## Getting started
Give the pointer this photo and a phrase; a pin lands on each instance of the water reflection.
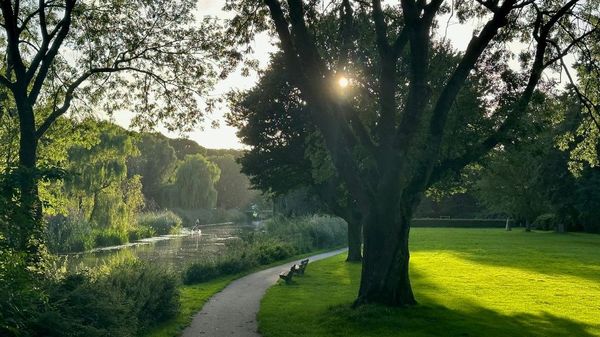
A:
(174, 251)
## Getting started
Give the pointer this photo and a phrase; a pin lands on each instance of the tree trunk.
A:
(30, 232)
(354, 239)
(385, 279)
(527, 225)
(508, 226)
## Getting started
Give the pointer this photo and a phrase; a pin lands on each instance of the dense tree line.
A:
(110, 176)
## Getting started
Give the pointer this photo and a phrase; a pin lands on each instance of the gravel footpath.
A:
(232, 312)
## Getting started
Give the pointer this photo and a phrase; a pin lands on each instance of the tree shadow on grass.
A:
(435, 320)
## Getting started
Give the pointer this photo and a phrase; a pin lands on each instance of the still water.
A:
(173, 251)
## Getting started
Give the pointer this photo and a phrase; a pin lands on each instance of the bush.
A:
(200, 272)
(547, 221)
(308, 233)
(21, 295)
(140, 232)
(66, 234)
(162, 223)
(106, 238)
(122, 298)
(281, 239)
(271, 251)
(152, 290)
(80, 306)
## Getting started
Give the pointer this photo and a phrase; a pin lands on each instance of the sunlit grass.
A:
(468, 283)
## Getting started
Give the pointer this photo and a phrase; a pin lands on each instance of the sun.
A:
(343, 82)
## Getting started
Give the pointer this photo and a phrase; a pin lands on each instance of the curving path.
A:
(232, 312)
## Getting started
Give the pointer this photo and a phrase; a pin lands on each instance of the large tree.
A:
(144, 56)
(287, 159)
(233, 187)
(390, 155)
(194, 184)
(156, 165)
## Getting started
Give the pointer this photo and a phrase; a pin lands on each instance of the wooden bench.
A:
(287, 275)
(299, 269)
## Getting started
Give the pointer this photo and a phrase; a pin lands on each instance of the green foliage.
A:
(281, 239)
(66, 234)
(308, 233)
(210, 216)
(155, 164)
(124, 297)
(110, 237)
(194, 184)
(101, 200)
(81, 306)
(20, 293)
(546, 221)
(184, 147)
(152, 290)
(200, 272)
(103, 164)
(161, 223)
(233, 187)
(140, 232)
(272, 250)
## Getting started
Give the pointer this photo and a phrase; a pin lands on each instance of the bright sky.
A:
(224, 136)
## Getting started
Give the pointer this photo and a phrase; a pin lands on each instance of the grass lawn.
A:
(469, 282)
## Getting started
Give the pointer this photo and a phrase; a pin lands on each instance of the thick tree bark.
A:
(354, 239)
(385, 276)
(30, 204)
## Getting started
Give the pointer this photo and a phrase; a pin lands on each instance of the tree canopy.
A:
(388, 154)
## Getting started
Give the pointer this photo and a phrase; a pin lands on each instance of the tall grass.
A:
(161, 223)
(279, 238)
(123, 297)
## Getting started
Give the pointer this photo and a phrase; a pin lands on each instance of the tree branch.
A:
(61, 31)
(14, 59)
(519, 108)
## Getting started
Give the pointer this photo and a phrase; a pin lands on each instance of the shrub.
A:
(271, 251)
(20, 293)
(200, 272)
(152, 290)
(80, 306)
(66, 234)
(140, 232)
(281, 239)
(108, 237)
(308, 233)
(545, 221)
(162, 223)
